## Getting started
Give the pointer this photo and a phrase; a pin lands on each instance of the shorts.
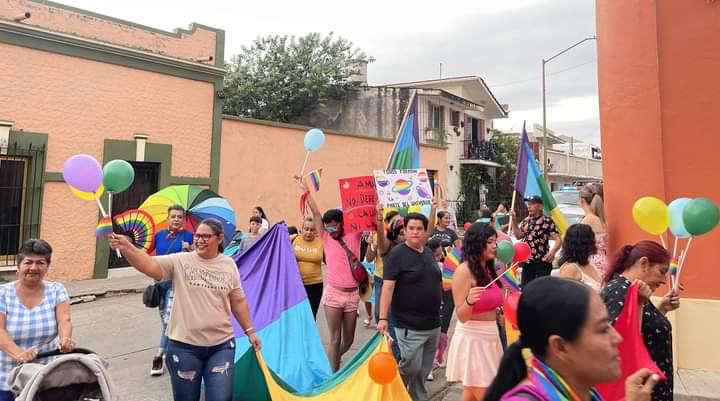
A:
(338, 299)
(475, 353)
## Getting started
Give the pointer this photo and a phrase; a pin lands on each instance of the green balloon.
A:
(700, 216)
(118, 175)
(505, 251)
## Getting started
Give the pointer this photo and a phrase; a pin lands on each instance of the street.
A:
(126, 333)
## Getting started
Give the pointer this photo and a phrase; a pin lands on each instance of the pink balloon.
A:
(522, 252)
(83, 172)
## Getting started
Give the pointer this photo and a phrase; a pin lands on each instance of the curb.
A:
(80, 297)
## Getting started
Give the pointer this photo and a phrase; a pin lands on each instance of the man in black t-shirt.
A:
(412, 290)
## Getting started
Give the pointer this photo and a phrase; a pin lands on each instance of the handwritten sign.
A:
(359, 202)
(403, 188)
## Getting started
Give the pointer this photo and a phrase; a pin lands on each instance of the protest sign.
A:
(403, 188)
(359, 202)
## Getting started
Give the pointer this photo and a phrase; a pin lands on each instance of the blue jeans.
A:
(165, 307)
(190, 365)
(391, 324)
(6, 396)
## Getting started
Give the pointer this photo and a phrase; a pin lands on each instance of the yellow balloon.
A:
(88, 196)
(651, 214)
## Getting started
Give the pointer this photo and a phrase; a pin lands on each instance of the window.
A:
(12, 201)
(455, 118)
(436, 116)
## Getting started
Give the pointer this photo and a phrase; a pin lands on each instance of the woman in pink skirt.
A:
(475, 350)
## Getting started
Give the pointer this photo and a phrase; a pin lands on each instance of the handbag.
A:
(151, 296)
(356, 268)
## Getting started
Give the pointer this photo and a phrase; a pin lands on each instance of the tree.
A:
(279, 77)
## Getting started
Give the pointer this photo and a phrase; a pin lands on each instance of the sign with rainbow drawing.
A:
(403, 188)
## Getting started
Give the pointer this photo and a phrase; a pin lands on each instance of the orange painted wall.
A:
(258, 162)
(658, 64)
(79, 103)
(200, 43)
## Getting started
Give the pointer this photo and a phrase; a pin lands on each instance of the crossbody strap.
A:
(349, 254)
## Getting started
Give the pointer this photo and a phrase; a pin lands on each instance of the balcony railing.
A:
(479, 150)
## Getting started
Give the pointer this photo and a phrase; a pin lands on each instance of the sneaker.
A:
(430, 377)
(157, 366)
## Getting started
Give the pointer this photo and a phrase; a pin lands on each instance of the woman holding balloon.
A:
(476, 350)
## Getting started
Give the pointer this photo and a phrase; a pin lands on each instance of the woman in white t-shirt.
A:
(207, 290)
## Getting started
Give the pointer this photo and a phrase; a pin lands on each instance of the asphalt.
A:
(108, 316)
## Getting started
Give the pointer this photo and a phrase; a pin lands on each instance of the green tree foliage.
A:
(279, 77)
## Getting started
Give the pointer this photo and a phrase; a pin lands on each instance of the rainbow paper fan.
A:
(451, 262)
(139, 226)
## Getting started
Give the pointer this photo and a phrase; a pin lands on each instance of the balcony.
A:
(480, 151)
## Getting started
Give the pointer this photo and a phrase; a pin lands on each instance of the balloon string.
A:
(683, 256)
(117, 251)
(302, 170)
(675, 246)
(102, 209)
(662, 241)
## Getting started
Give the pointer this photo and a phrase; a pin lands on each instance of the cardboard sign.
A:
(359, 202)
(403, 188)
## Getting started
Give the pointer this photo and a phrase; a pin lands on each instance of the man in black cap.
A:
(536, 231)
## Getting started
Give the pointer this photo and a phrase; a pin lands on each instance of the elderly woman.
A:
(34, 314)
(574, 348)
(207, 291)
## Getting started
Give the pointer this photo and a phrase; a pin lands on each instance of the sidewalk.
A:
(86, 290)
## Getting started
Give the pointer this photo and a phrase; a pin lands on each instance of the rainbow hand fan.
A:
(139, 226)
(451, 262)
(104, 228)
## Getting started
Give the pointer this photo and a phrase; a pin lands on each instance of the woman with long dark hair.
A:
(475, 350)
(578, 246)
(574, 348)
(646, 263)
(264, 222)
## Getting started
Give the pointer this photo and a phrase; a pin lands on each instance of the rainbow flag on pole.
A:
(406, 150)
(530, 182)
(314, 177)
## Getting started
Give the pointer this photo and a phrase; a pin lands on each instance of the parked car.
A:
(568, 201)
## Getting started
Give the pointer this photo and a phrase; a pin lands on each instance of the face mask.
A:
(330, 229)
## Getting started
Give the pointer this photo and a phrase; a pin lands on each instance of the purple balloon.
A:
(83, 172)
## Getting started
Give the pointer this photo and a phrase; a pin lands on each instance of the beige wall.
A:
(188, 46)
(259, 160)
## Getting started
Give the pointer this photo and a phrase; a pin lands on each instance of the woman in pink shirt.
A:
(341, 295)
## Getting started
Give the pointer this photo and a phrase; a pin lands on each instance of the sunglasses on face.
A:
(330, 229)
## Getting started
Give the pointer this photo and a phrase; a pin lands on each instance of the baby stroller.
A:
(78, 376)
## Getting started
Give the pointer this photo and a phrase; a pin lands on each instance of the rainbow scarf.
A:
(555, 386)
(315, 178)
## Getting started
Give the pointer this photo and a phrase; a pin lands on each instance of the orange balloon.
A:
(382, 368)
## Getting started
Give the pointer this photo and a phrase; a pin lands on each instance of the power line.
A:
(538, 78)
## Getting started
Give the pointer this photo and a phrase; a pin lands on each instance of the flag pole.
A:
(400, 130)
(512, 210)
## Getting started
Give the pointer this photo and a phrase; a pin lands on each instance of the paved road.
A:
(126, 333)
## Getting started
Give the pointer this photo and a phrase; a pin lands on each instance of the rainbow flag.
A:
(406, 150)
(510, 278)
(451, 262)
(104, 228)
(530, 182)
(315, 178)
(673, 266)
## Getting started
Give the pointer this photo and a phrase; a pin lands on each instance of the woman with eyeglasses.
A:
(308, 251)
(207, 290)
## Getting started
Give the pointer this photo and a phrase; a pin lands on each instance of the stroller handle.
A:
(57, 352)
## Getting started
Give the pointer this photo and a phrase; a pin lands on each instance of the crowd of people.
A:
(566, 322)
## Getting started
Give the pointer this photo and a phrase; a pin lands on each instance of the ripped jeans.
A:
(189, 365)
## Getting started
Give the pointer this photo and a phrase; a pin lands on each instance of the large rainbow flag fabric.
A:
(281, 316)
(406, 150)
(530, 182)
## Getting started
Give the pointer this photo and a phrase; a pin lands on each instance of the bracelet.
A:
(250, 330)
(467, 302)
(382, 318)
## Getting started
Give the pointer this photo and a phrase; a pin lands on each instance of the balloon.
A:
(505, 251)
(382, 368)
(700, 216)
(522, 252)
(467, 226)
(677, 226)
(83, 172)
(88, 196)
(425, 209)
(314, 140)
(118, 175)
(651, 214)
(510, 305)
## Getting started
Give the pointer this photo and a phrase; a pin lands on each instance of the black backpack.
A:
(151, 296)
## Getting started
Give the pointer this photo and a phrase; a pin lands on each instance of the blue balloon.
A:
(314, 139)
(426, 210)
(677, 226)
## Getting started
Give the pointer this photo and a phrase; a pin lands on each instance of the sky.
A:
(502, 41)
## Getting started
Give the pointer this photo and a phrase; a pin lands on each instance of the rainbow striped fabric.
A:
(530, 182)
(406, 150)
(315, 178)
(673, 266)
(104, 227)
(510, 278)
(451, 262)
